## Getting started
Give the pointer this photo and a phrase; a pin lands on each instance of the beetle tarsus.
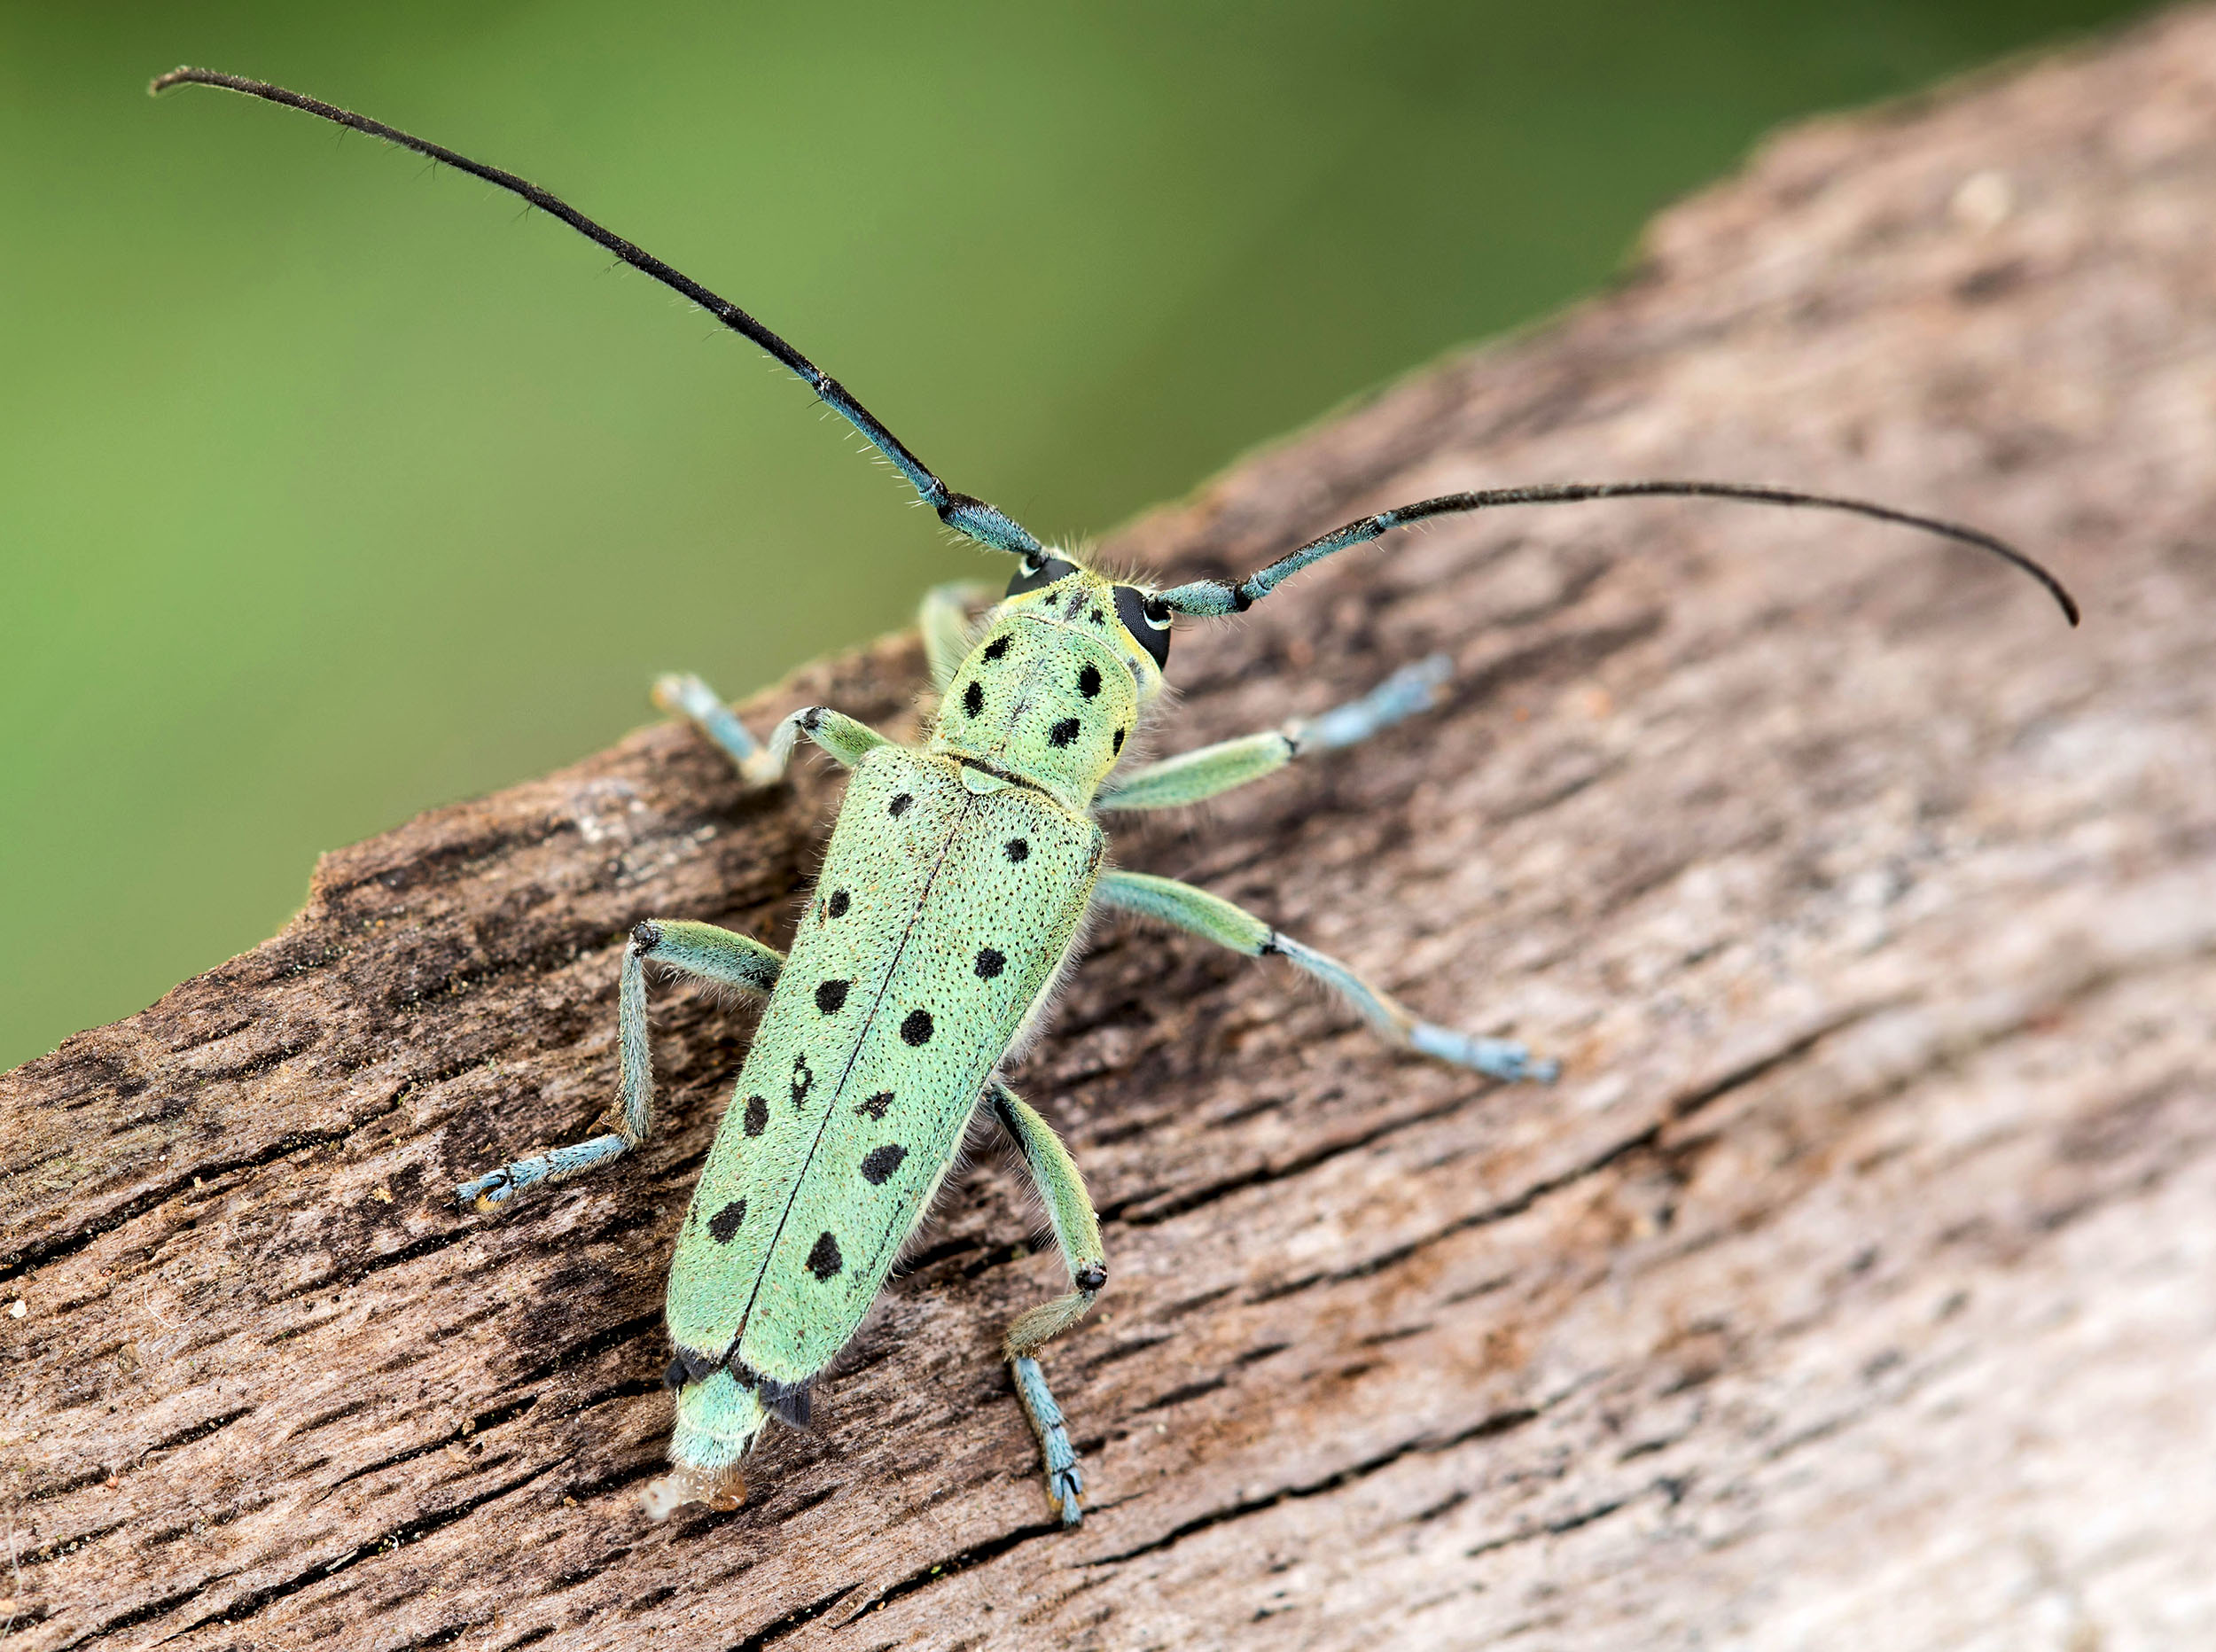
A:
(487, 1193)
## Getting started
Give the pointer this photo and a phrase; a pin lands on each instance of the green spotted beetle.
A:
(955, 891)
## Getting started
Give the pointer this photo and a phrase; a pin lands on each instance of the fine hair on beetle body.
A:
(958, 884)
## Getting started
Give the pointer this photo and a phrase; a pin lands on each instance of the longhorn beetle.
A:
(952, 897)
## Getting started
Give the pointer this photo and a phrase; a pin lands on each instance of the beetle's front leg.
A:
(841, 735)
(945, 621)
(1077, 1231)
(700, 950)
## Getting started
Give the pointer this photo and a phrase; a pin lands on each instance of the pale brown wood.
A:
(1856, 1287)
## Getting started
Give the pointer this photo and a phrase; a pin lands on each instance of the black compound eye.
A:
(1039, 570)
(1146, 619)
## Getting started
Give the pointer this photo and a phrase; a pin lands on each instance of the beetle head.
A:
(1129, 620)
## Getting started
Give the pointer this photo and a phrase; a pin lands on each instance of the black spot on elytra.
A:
(1089, 681)
(1098, 618)
(995, 649)
(1018, 850)
(823, 1259)
(726, 1221)
(876, 1105)
(990, 964)
(917, 1028)
(802, 1077)
(830, 996)
(1063, 732)
(1118, 747)
(757, 1114)
(973, 699)
(839, 903)
(898, 807)
(882, 1162)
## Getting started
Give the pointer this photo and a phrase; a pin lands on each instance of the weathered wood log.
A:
(1855, 1287)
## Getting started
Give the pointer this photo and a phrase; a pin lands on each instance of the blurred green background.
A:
(332, 486)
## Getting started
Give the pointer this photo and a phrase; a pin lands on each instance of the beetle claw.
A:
(487, 1193)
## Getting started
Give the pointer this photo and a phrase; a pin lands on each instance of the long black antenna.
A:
(1210, 597)
(979, 521)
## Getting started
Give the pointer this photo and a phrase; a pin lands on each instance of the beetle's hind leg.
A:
(700, 950)
(1077, 1231)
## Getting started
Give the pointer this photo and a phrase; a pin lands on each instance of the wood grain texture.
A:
(1856, 1287)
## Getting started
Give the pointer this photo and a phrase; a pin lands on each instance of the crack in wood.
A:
(40, 1253)
(1497, 1424)
(1676, 1111)
(251, 1604)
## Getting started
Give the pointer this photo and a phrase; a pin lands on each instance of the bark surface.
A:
(1855, 1287)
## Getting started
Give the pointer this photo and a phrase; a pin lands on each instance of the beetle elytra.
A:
(955, 891)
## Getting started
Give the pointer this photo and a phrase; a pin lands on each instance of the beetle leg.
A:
(1077, 1231)
(945, 619)
(686, 695)
(1214, 769)
(700, 950)
(843, 737)
(1216, 919)
(760, 765)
